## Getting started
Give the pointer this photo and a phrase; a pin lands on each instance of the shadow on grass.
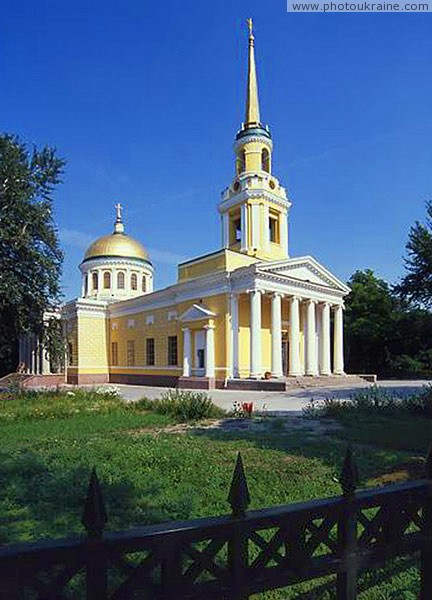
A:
(40, 501)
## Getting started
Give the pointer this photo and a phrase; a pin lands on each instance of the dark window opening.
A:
(131, 353)
(150, 352)
(172, 351)
(114, 353)
(201, 358)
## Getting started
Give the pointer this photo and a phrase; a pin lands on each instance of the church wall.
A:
(134, 327)
(92, 348)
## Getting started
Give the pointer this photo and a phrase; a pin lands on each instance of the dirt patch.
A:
(412, 469)
(274, 425)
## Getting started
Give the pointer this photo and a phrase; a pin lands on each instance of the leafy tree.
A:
(30, 256)
(384, 333)
(368, 323)
(416, 286)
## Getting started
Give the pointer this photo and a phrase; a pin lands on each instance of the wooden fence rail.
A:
(231, 557)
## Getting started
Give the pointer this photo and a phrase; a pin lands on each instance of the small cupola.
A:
(116, 266)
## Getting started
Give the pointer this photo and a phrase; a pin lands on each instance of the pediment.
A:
(304, 268)
(197, 312)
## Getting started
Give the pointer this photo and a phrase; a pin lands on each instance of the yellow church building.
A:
(237, 317)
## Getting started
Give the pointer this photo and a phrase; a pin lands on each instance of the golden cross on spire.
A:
(250, 26)
(118, 208)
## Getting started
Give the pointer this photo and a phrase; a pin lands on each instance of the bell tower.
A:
(254, 208)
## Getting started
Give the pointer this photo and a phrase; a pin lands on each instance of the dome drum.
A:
(116, 267)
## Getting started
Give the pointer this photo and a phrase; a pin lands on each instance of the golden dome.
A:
(116, 244)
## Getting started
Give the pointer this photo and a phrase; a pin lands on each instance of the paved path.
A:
(291, 401)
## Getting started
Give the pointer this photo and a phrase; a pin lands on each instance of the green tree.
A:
(369, 317)
(30, 256)
(416, 286)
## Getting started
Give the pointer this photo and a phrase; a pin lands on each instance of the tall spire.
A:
(118, 225)
(252, 118)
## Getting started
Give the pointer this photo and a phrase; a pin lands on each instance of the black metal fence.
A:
(235, 556)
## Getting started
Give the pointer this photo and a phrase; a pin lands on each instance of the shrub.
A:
(375, 399)
(183, 405)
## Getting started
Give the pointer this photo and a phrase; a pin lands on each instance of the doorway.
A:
(285, 354)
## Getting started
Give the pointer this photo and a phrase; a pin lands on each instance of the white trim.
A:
(255, 194)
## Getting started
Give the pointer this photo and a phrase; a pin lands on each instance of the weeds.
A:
(183, 405)
(374, 400)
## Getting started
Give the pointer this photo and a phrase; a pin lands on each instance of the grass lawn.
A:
(151, 472)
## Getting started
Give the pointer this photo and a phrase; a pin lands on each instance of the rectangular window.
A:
(114, 354)
(150, 352)
(172, 351)
(274, 229)
(131, 353)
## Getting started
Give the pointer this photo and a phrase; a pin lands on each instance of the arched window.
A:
(241, 162)
(134, 281)
(144, 284)
(107, 280)
(265, 160)
(120, 280)
(95, 280)
(85, 284)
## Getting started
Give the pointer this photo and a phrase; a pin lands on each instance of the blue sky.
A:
(143, 99)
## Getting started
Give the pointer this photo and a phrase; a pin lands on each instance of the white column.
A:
(46, 366)
(100, 280)
(276, 333)
(234, 357)
(338, 360)
(244, 226)
(27, 354)
(255, 333)
(266, 226)
(225, 230)
(294, 338)
(32, 355)
(256, 225)
(325, 354)
(187, 352)
(209, 352)
(311, 349)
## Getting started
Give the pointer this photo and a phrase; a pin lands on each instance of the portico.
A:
(308, 330)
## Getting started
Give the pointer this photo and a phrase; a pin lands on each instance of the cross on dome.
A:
(118, 225)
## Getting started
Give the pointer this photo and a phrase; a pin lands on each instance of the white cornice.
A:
(115, 262)
(252, 194)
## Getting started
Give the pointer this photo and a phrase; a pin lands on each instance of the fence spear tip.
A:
(94, 517)
(238, 496)
(349, 474)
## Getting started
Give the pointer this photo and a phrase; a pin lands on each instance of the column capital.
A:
(186, 328)
(209, 326)
(295, 297)
(311, 301)
(278, 295)
(338, 305)
(252, 290)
